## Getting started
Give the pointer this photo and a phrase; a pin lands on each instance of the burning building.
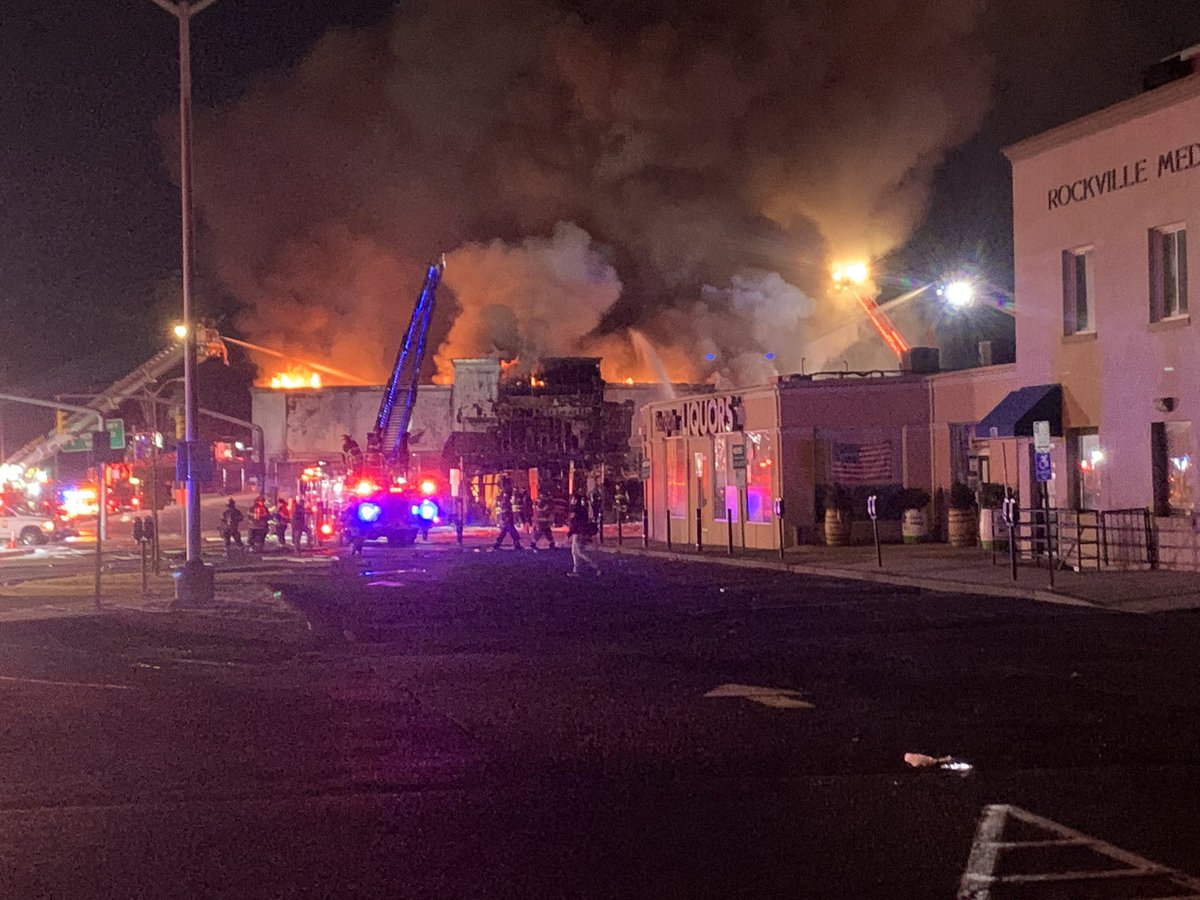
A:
(562, 415)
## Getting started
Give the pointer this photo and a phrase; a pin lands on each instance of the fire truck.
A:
(383, 501)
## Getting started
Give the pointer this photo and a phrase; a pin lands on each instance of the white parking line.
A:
(980, 876)
(75, 684)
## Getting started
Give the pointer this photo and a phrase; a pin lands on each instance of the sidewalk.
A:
(938, 567)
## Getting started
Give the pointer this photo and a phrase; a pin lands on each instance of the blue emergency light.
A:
(368, 512)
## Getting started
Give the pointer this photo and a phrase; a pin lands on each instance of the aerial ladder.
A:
(387, 452)
(107, 401)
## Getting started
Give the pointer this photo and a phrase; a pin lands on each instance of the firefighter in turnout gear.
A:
(543, 518)
(506, 519)
(231, 524)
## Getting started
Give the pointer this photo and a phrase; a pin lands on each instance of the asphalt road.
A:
(481, 725)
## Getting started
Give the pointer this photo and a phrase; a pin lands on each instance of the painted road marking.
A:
(979, 877)
(777, 698)
(80, 684)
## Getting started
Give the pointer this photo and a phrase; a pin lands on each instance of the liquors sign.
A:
(704, 415)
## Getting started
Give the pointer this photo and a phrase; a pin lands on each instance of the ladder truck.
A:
(385, 503)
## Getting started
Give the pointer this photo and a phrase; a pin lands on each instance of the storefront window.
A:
(1174, 475)
(676, 478)
(760, 464)
(725, 492)
(1089, 463)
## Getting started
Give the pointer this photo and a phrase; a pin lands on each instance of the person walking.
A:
(543, 518)
(506, 519)
(231, 524)
(581, 530)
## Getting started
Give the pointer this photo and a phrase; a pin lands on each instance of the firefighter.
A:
(581, 530)
(351, 453)
(621, 501)
(260, 520)
(543, 518)
(518, 509)
(281, 521)
(300, 524)
(506, 519)
(231, 524)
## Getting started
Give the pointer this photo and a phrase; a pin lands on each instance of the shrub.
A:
(991, 495)
(913, 498)
(961, 496)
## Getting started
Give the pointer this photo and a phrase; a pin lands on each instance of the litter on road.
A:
(777, 698)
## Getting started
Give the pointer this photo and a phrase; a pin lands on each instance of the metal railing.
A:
(1082, 540)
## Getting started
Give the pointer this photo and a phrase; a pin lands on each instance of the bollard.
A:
(699, 537)
(620, 531)
(729, 523)
(668, 514)
(600, 527)
(645, 528)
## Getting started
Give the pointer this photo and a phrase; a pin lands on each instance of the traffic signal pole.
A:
(101, 495)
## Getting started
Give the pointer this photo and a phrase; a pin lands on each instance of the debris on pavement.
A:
(948, 763)
(777, 698)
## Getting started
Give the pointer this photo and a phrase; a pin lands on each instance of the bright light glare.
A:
(959, 293)
(368, 512)
(1097, 457)
(428, 487)
(851, 273)
(363, 488)
(180, 331)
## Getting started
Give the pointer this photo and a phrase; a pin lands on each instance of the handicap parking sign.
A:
(1041, 465)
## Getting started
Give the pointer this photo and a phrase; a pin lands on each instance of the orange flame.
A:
(294, 378)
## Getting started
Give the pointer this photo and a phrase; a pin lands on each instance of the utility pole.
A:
(195, 582)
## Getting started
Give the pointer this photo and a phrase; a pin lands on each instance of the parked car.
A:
(29, 529)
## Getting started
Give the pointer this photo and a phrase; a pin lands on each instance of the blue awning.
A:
(1015, 414)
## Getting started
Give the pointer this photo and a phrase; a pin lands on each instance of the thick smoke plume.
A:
(687, 169)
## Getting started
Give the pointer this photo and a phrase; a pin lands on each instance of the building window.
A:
(1078, 291)
(1174, 480)
(1087, 460)
(1168, 272)
(676, 478)
(725, 490)
(760, 463)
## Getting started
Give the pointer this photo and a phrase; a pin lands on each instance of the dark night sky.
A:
(89, 211)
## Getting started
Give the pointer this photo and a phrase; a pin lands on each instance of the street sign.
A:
(1041, 435)
(737, 455)
(645, 470)
(83, 443)
(739, 476)
(871, 510)
(1041, 465)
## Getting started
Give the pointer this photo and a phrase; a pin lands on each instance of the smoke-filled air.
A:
(603, 177)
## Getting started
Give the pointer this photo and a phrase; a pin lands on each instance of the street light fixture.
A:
(958, 294)
(181, 331)
(195, 582)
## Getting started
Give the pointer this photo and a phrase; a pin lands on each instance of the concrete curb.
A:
(941, 585)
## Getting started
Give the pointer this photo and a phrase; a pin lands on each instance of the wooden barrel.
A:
(913, 526)
(960, 527)
(837, 528)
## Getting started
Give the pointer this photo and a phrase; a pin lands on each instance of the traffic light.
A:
(180, 426)
(139, 530)
(60, 421)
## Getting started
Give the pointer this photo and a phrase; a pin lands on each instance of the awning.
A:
(1015, 414)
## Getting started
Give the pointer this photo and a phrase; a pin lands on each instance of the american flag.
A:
(862, 463)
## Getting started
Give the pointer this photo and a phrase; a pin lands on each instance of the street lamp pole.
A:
(195, 582)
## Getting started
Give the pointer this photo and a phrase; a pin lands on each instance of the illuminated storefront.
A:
(723, 462)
